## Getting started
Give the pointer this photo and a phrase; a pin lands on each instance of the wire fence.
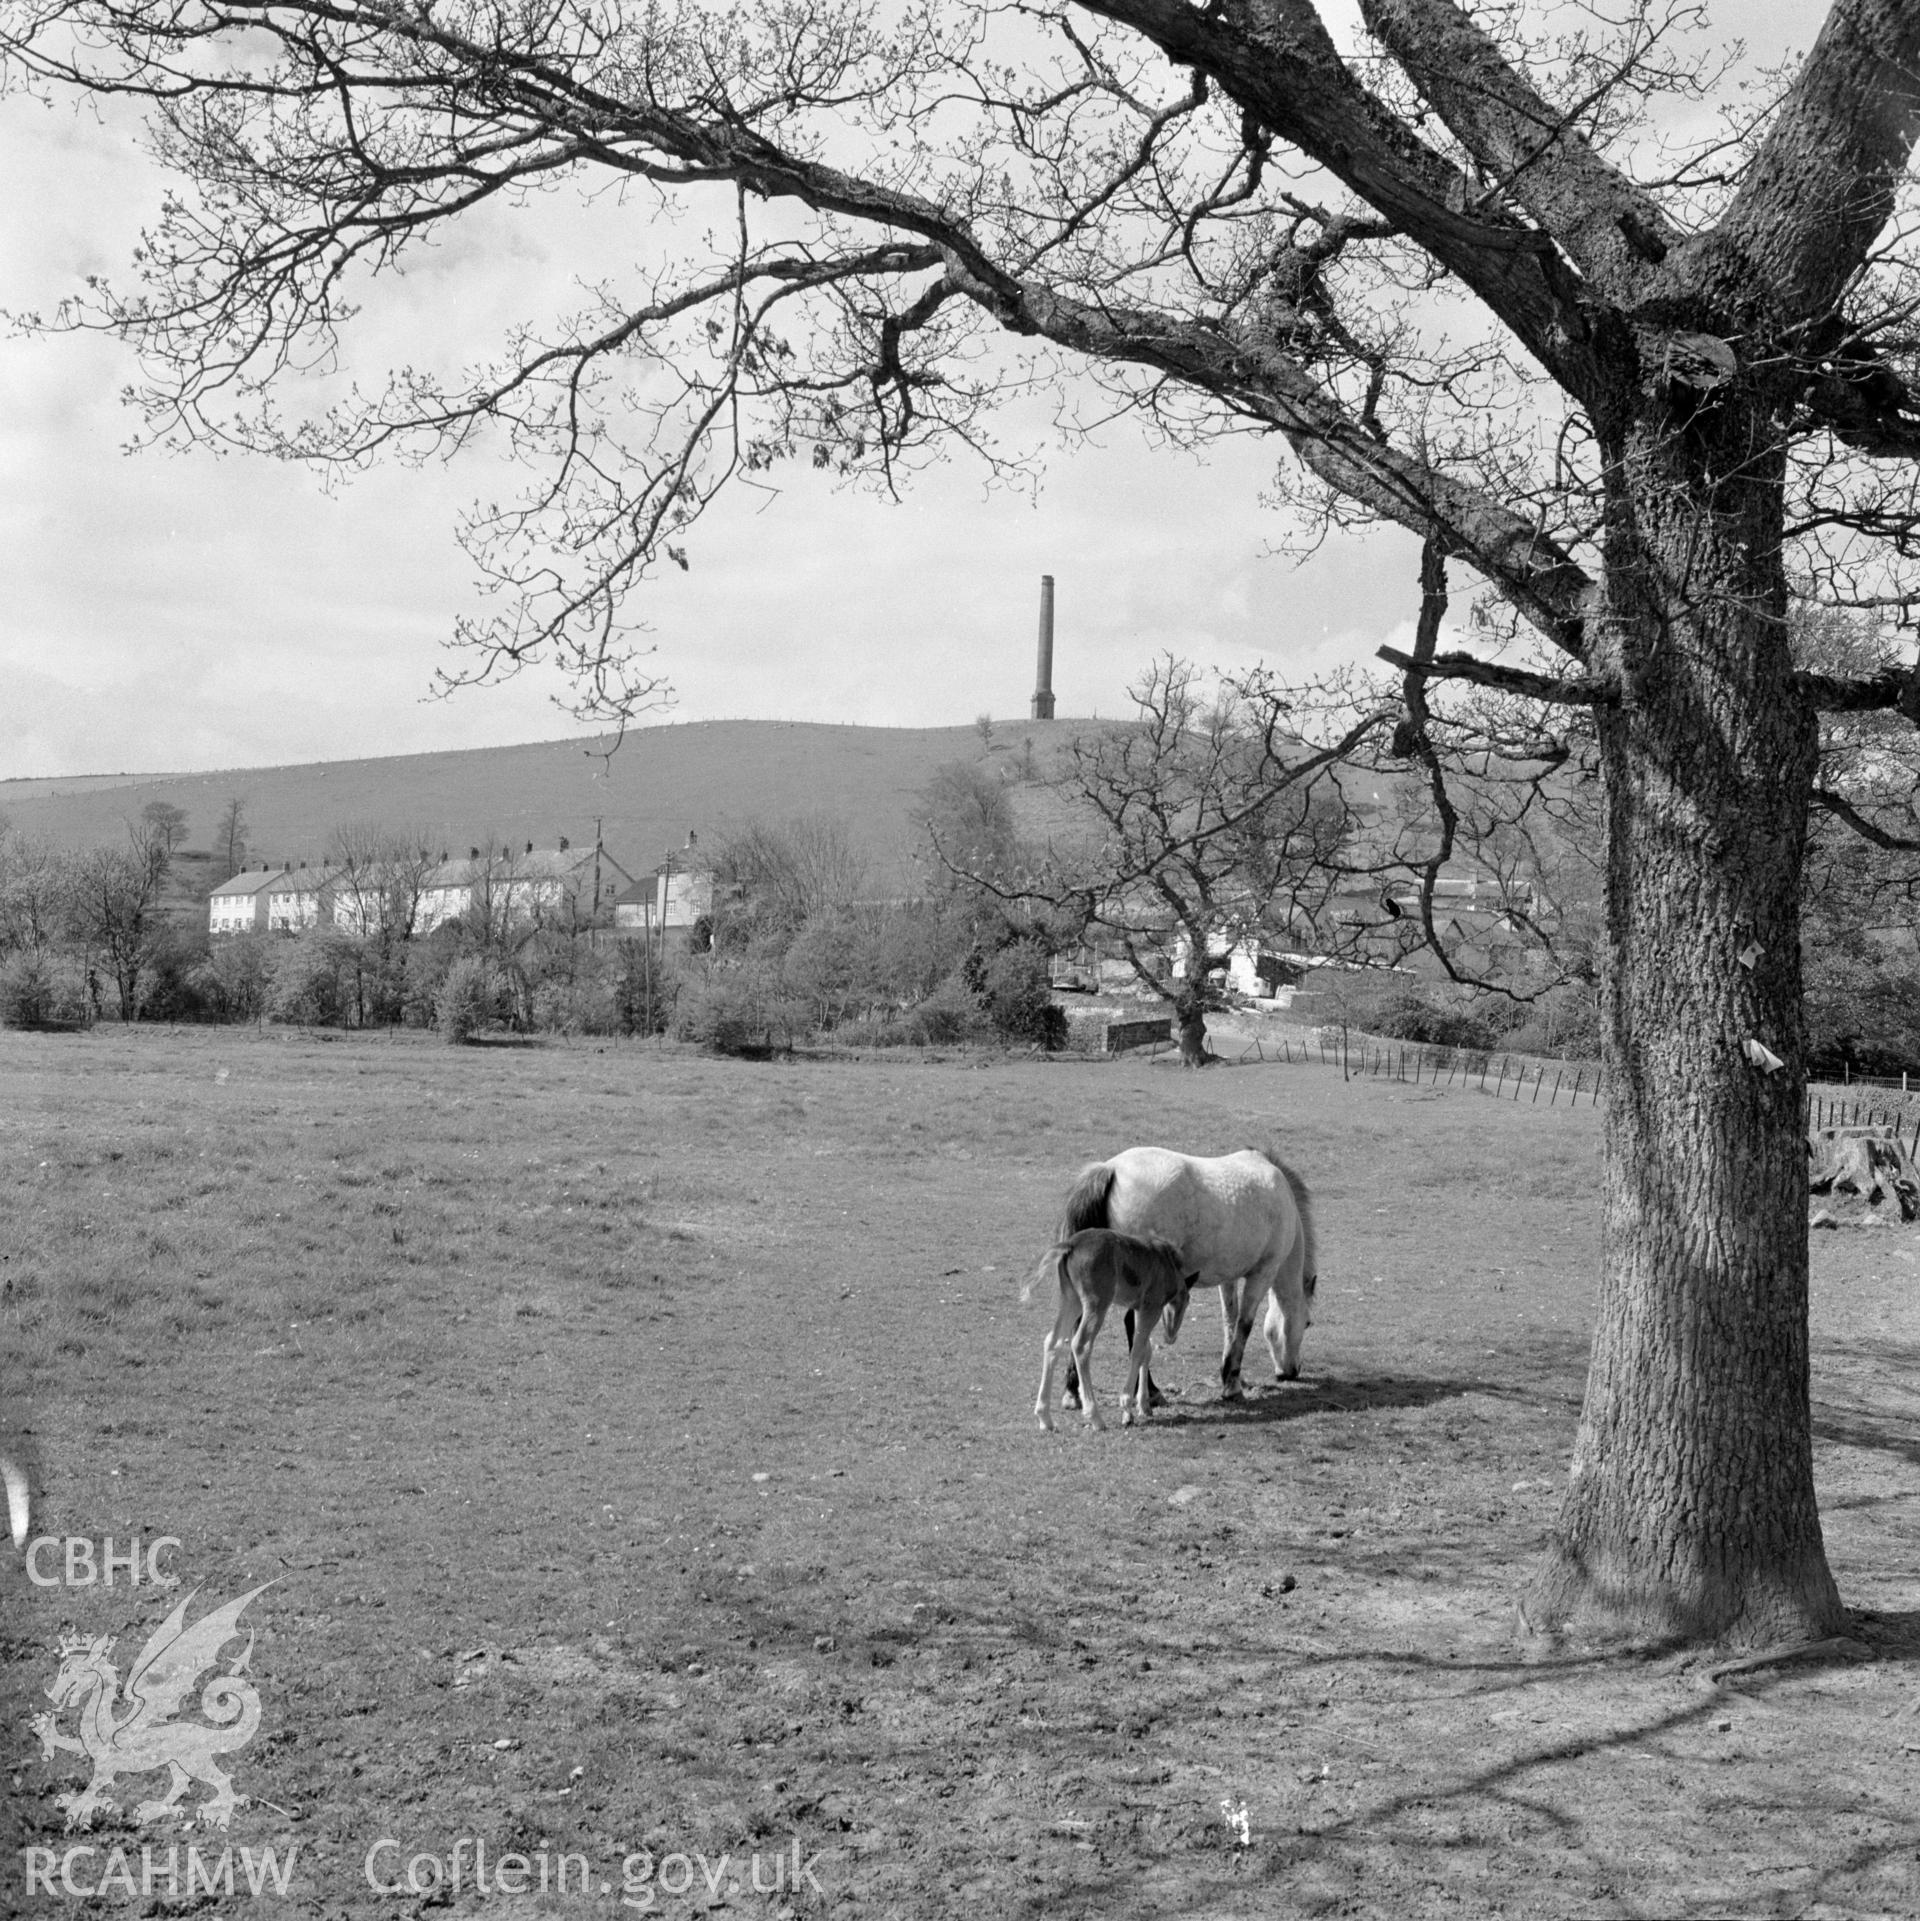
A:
(1889, 1105)
(1887, 1109)
(1421, 1064)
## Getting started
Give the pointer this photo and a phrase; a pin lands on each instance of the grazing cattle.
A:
(1868, 1163)
(1095, 1269)
(1241, 1222)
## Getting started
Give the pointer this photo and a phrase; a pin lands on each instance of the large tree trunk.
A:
(1691, 1509)
(1190, 1024)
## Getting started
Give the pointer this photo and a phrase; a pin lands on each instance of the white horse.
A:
(1241, 1222)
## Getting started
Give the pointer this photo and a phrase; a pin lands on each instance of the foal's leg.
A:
(1072, 1397)
(1139, 1381)
(1063, 1321)
(1153, 1392)
(1128, 1325)
(1042, 1406)
(1090, 1318)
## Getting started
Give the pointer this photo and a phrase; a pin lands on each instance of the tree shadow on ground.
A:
(1892, 1634)
(1277, 1402)
(1878, 1430)
(1473, 1818)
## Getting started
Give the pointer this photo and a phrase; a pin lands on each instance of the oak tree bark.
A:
(1690, 1510)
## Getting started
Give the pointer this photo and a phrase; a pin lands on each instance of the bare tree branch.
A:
(1490, 673)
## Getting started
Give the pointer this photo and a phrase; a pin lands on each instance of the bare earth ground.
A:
(641, 1449)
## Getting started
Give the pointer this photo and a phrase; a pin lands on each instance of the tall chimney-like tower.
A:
(1043, 677)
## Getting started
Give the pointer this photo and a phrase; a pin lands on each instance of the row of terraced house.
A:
(549, 886)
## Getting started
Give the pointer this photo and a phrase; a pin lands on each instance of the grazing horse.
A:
(1094, 1269)
(1242, 1223)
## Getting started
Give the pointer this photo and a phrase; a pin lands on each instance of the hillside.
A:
(661, 783)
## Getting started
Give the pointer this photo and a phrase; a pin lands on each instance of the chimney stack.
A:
(1043, 678)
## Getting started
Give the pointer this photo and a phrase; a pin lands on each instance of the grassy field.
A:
(640, 1448)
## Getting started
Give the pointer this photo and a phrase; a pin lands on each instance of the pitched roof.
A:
(506, 868)
(245, 884)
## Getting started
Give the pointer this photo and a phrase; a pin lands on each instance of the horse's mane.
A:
(1303, 1200)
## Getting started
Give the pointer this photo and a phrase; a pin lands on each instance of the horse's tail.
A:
(1053, 1265)
(1087, 1199)
(1302, 1200)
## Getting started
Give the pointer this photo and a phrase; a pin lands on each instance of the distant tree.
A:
(26, 988)
(1863, 845)
(311, 978)
(473, 996)
(380, 882)
(1208, 820)
(36, 884)
(412, 860)
(500, 902)
(919, 945)
(645, 988)
(230, 838)
(743, 1009)
(1862, 997)
(772, 877)
(152, 838)
(170, 982)
(235, 977)
(114, 907)
(427, 965)
(357, 857)
(167, 824)
(983, 726)
(1016, 990)
(968, 822)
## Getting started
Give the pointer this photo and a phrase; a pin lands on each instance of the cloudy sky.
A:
(166, 613)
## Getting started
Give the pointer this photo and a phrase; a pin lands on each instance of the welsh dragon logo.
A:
(136, 1730)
